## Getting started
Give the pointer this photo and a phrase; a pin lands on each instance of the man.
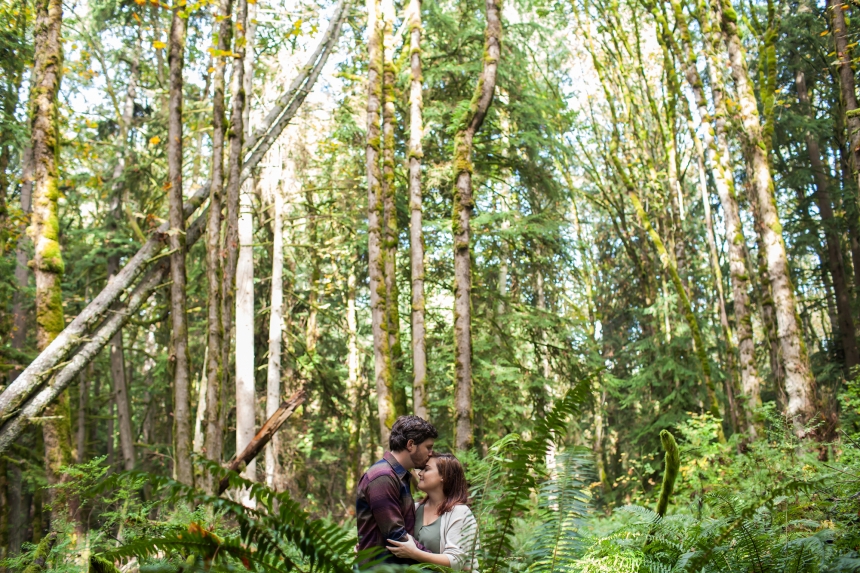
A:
(384, 508)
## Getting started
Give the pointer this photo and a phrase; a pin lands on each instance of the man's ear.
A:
(409, 445)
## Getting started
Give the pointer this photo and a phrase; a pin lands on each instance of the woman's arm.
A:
(409, 550)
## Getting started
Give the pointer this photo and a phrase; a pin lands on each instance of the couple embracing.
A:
(440, 529)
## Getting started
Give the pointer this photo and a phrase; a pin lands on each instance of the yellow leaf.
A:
(824, 33)
(211, 69)
(155, 140)
(159, 45)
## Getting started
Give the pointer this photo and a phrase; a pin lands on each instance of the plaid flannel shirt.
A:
(384, 508)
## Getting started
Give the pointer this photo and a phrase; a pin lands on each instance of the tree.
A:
(467, 126)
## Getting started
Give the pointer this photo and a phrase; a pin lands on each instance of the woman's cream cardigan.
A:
(458, 538)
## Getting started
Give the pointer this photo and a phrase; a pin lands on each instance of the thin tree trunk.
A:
(847, 335)
(799, 383)
(231, 244)
(669, 266)
(246, 419)
(461, 219)
(416, 223)
(389, 207)
(214, 440)
(353, 385)
(182, 469)
(276, 324)
(849, 187)
(375, 222)
(22, 271)
(198, 442)
(81, 433)
(846, 82)
(117, 359)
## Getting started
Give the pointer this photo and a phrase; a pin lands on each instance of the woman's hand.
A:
(406, 549)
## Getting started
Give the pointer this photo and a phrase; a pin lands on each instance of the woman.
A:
(444, 524)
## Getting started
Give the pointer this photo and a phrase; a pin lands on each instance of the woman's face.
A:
(429, 478)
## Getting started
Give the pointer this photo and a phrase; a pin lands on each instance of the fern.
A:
(277, 536)
(563, 503)
(501, 502)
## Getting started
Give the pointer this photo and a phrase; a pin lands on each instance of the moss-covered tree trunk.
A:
(375, 222)
(182, 468)
(214, 439)
(416, 210)
(464, 203)
(389, 207)
(47, 264)
(799, 382)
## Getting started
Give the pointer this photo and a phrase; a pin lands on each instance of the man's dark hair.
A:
(407, 428)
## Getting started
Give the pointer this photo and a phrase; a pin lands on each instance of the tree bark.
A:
(353, 364)
(182, 468)
(799, 383)
(214, 439)
(461, 219)
(839, 28)
(835, 263)
(375, 222)
(416, 223)
(22, 271)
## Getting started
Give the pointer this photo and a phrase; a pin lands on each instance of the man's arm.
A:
(383, 496)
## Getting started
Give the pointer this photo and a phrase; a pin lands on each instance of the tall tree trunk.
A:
(230, 247)
(847, 335)
(22, 271)
(849, 186)
(47, 263)
(182, 469)
(117, 359)
(375, 222)
(81, 433)
(389, 207)
(416, 210)
(276, 324)
(799, 383)
(214, 440)
(461, 219)
(237, 296)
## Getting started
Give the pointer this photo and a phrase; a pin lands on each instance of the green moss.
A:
(49, 311)
(51, 258)
(671, 465)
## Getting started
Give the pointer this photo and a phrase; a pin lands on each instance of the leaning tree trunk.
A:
(389, 208)
(724, 184)
(461, 219)
(799, 383)
(375, 222)
(847, 335)
(44, 230)
(416, 210)
(214, 439)
(182, 468)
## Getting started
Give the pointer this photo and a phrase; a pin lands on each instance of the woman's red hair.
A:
(454, 485)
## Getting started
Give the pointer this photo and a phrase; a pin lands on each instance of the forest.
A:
(609, 249)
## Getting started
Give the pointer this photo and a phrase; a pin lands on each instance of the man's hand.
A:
(406, 549)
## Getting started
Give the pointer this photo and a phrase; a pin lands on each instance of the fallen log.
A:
(263, 437)
(49, 360)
